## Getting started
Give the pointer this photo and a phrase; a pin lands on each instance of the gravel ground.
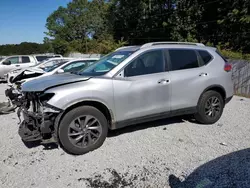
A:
(167, 153)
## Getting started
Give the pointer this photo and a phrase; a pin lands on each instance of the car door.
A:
(9, 64)
(142, 89)
(188, 78)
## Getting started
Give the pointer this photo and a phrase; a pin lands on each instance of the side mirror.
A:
(60, 71)
(6, 63)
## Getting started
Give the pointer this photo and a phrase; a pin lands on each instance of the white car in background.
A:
(10, 63)
(50, 69)
(13, 62)
(67, 66)
(44, 63)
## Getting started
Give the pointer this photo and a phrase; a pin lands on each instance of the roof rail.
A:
(123, 47)
(162, 43)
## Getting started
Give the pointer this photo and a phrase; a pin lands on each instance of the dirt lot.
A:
(172, 152)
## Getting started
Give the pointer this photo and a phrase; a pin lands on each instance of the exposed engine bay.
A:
(37, 118)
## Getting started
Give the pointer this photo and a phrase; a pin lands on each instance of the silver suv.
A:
(132, 85)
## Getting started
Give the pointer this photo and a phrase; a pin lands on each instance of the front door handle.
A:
(203, 74)
(17, 65)
(163, 81)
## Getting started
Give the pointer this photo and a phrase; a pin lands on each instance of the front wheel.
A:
(210, 107)
(82, 130)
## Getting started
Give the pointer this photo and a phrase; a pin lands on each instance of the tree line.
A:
(25, 48)
(100, 26)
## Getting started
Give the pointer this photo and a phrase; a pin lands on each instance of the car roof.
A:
(128, 48)
(157, 45)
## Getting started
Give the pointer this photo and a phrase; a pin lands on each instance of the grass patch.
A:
(235, 55)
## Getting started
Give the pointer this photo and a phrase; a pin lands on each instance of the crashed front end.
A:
(37, 117)
(14, 94)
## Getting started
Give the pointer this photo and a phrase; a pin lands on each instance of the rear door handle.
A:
(163, 81)
(203, 74)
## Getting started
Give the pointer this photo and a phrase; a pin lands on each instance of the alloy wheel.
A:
(213, 107)
(84, 131)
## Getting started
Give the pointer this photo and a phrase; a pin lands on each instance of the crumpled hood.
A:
(27, 73)
(43, 83)
(34, 69)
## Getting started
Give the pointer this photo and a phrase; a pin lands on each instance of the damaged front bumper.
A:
(37, 119)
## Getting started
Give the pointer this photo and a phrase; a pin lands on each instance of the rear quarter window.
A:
(205, 56)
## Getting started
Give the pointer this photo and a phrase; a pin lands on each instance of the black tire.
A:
(201, 115)
(71, 116)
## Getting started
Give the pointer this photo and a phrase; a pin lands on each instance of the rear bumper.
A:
(228, 99)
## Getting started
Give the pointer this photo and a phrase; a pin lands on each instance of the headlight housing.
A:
(45, 97)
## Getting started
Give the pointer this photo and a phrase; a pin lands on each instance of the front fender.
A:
(68, 95)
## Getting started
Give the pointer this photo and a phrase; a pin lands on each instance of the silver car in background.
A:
(132, 85)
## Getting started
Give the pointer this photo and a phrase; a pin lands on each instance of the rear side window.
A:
(183, 59)
(41, 58)
(206, 57)
(25, 59)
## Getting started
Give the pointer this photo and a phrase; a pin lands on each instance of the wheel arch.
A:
(97, 104)
(217, 88)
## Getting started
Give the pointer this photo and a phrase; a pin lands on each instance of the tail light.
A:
(227, 67)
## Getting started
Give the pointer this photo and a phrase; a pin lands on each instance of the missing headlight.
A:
(45, 97)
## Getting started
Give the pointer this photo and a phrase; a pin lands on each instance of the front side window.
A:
(25, 59)
(106, 63)
(147, 63)
(183, 59)
(13, 60)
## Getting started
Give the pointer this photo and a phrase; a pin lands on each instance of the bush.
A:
(235, 55)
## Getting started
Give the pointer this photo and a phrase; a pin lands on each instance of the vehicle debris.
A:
(223, 144)
(6, 108)
(220, 125)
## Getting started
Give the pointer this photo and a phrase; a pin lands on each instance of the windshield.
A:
(50, 63)
(53, 66)
(106, 63)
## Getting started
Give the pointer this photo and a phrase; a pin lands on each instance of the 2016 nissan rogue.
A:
(131, 85)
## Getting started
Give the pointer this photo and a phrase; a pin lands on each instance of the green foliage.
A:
(100, 26)
(235, 55)
(25, 48)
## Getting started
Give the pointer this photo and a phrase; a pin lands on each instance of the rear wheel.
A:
(83, 129)
(210, 107)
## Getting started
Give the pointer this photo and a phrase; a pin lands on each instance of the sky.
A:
(24, 20)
